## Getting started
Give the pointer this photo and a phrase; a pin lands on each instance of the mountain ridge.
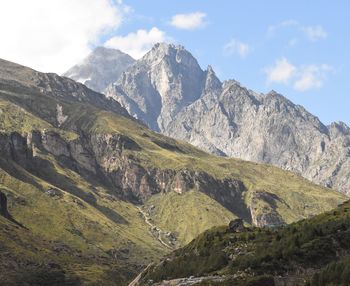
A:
(169, 91)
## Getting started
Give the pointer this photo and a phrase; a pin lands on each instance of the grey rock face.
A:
(103, 156)
(169, 92)
(266, 215)
(236, 225)
(101, 68)
(270, 129)
(157, 87)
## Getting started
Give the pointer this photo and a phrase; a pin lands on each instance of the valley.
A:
(174, 143)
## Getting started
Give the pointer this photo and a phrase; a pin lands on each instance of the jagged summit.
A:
(212, 82)
(154, 89)
(173, 54)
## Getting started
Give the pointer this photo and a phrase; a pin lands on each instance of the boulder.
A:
(236, 225)
(55, 193)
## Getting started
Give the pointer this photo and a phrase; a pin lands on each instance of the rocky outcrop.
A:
(54, 193)
(263, 209)
(169, 91)
(106, 158)
(236, 225)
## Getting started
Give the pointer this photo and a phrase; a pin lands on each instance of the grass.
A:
(188, 214)
(81, 228)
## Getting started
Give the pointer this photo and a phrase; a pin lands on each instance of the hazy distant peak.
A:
(101, 68)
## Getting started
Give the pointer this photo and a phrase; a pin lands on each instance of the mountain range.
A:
(168, 91)
(89, 195)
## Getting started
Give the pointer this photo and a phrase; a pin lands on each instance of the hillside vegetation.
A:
(313, 252)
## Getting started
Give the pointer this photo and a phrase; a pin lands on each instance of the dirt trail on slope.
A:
(154, 228)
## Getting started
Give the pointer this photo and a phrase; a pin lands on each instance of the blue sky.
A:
(275, 32)
(298, 48)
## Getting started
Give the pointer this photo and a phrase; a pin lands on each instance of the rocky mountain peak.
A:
(171, 51)
(101, 68)
(104, 53)
(339, 128)
(176, 59)
(212, 82)
(154, 89)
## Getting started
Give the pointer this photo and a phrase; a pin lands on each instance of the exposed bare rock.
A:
(263, 209)
(236, 225)
(61, 118)
(103, 156)
(54, 193)
(158, 86)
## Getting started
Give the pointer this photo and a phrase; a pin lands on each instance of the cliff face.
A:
(267, 128)
(103, 156)
(158, 86)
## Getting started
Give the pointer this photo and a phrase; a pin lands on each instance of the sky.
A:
(297, 48)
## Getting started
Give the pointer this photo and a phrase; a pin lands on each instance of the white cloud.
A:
(301, 78)
(137, 44)
(281, 72)
(54, 35)
(315, 33)
(189, 21)
(311, 77)
(272, 29)
(237, 47)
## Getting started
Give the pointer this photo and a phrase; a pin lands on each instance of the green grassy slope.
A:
(187, 214)
(315, 250)
(107, 232)
(28, 259)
